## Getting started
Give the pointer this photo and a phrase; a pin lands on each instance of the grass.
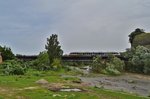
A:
(12, 87)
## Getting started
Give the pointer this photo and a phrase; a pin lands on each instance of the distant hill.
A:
(142, 39)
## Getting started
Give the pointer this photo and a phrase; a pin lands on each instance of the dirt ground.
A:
(132, 83)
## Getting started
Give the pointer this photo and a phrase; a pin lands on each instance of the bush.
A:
(13, 67)
(111, 66)
(56, 64)
(140, 60)
(147, 65)
(41, 63)
(118, 64)
(111, 70)
(98, 64)
(114, 67)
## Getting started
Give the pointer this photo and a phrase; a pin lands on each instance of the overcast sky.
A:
(81, 25)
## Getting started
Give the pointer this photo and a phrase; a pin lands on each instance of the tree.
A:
(134, 33)
(53, 48)
(6, 53)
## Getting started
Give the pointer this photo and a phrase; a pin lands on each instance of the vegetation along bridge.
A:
(76, 56)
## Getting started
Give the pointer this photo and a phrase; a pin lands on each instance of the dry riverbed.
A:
(128, 82)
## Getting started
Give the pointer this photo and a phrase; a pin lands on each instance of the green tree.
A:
(53, 48)
(6, 53)
(134, 33)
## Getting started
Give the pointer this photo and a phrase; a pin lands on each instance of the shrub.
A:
(56, 64)
(139, 61)
(147, 65)
(114, 67)
(42, 62)
(111, 70)
(13, 67)
(98, 64)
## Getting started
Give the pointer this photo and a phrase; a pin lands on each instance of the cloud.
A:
(82, 25)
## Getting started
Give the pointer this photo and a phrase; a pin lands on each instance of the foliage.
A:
(111, 70)
(141, 60)
(112, 66)
(6, 53)
(42, 62)
(138, 60)
(147, 64)
(13, 67)
(98, 64)
(53, 48)
(56, 64)
(134, 33)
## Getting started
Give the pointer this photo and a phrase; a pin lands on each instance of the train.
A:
(102, 54)
(76, 56)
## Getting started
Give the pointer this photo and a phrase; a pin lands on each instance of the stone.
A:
(42, 82)
(70, 90)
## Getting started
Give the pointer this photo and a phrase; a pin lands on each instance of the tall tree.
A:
(53, 48)
(134, 33)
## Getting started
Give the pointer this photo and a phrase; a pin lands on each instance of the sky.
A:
(81, 25)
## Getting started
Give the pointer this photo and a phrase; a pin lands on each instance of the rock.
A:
(55, 87)
(131, 81)
(71, 90)
(99, 86)
(42, 82)
(134, 87)
(85, 84)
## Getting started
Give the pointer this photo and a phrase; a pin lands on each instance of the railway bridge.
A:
(76, 56)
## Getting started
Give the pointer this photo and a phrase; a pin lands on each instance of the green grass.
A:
(10, 88)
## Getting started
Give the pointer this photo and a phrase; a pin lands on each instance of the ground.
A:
(51, 85)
